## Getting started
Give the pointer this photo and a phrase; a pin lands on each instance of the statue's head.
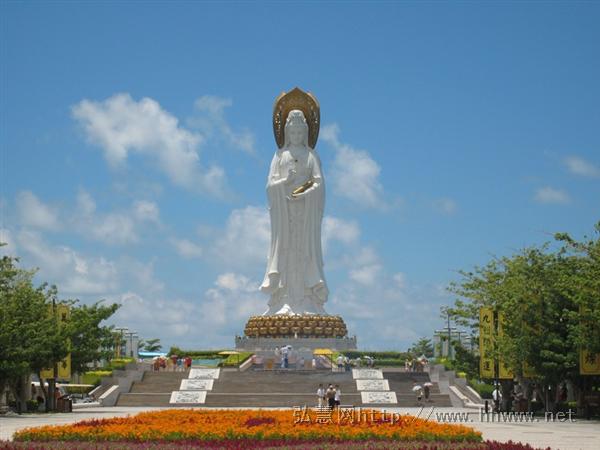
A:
(296, 129)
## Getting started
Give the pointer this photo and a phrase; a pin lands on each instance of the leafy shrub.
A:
(94, 376)
(119, 363)
(232, 360)
(483, 389)
(78, 389)
(32, 405)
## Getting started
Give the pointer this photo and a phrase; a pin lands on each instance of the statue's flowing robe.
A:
(279, 274)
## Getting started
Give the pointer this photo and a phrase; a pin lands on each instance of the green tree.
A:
(90, 342)
(30, 337)
(550, 301)
(422, 347)
(152, 345)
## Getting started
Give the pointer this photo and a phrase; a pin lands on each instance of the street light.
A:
(119, 339)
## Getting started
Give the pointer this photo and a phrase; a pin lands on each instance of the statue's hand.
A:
(306, 192)
(291, 176)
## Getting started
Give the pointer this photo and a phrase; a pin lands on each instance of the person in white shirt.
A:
(338, 395)
(321, 396)
(340, 363)
(497, 397)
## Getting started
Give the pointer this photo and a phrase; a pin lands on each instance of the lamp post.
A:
(131, 336)
(119, 340)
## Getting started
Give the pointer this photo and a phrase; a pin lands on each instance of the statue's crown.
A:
(296, 99)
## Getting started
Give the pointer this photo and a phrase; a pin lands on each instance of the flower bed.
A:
(265, 445)
(234, 425)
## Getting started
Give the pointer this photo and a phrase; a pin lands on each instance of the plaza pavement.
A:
(576, 435)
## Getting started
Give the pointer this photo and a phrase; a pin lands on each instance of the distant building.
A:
(126, 343)
(441, 349)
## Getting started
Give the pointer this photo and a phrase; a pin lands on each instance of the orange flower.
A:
(208, 425)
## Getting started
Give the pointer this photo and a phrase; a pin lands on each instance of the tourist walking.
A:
(338, 395)
(330, 394)
(285, 353)
(321, 396)
(497, 397)
(427, 389)
(418, 390)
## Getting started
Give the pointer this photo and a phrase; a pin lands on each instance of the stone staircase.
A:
(278, 388)
(402, 384)
(275, 388)
(154, 389)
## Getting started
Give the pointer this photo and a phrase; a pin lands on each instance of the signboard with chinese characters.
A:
(486, 342)
(204, 374)
(197, 384)
(378, 397)
(188, 397)
(372, 385)
(63, 313)
(589, 363)
(367, 374)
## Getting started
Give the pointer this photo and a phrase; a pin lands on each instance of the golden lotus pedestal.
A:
(301, 331)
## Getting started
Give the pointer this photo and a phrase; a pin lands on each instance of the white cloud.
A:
(233, 300)
(400, 280)
(341, 230)
(85, 203)
(551, 195)
(120, 126)
(82, 275)
(246, 238)
(6, 237)
(74, 273)
(355, 174)
(580, 166)
(445, 205)
(117, 227)
(212, 121)
(186, 249)
(235, 282)
(36, 214)
(155, 316)
(140, 276)
(146, 211)
(391, 313)
(210, 321)
(366, 275)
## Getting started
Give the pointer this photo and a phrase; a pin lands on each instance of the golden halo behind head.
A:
(305, 102)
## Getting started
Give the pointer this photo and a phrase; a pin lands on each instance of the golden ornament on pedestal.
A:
(296, 326)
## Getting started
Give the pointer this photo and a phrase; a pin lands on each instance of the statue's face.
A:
(296, 135)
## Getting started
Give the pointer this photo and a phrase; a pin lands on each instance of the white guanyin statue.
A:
(294, 277)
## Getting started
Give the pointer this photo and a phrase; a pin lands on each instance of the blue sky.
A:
(136, 137)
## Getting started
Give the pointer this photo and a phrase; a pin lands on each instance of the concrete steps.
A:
(154, 382)
(276, 388)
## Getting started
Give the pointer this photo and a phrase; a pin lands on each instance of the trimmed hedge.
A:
(94, 376)
(232, 360)
(195, 354)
